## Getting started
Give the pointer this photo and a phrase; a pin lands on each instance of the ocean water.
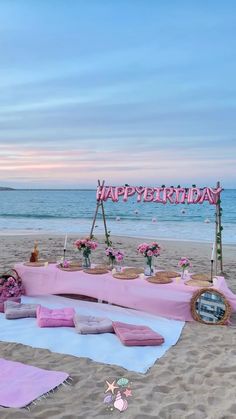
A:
(72, 211)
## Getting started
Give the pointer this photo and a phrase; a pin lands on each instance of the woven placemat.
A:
(96, 271)
(34, 264)
(168, 274)
(201, 277)
(157, 280)
(125, 275)
(70, 268)
(135, 271)
(198, 283)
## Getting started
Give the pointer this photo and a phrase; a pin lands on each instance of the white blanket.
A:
(105, 348)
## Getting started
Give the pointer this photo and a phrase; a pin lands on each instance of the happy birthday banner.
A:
(160, 195)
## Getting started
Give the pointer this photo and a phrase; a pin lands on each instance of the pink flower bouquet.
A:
(86, 246)
(114, 255)
(148, 251)
(184, 263)
(11, 285)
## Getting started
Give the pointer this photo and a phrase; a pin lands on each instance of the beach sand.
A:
(194, 380)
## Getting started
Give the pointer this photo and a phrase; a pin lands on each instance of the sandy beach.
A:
(194, 380)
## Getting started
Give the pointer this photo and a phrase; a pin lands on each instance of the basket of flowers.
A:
(10, 286)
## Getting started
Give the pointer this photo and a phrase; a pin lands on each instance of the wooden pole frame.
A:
(218, 230)
(218, 236)
(100, 204)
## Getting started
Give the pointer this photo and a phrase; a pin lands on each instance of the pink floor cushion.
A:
(3, 299)
(135, 335)
(90, 324)
(62, 317)
(14, 310)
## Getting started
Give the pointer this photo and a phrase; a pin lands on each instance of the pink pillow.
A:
(134, 335)
(3, 299)
(47, 317)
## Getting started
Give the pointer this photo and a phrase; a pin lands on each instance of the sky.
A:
(131, 91)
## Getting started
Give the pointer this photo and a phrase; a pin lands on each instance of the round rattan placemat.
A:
(168, 274)
(125, 275)
(70, 269)
(198, 283)
(135, 271)
(96, 271)
(34, 264)
(201, 277)
(158, 280)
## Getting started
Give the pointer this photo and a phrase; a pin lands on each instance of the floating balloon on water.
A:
(154, 220)
(182, 211)
(136, 211)
(117, 218)
(207, 221)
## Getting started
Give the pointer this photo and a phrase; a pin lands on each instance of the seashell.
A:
(122, 382)
(120, 404)
(108, 399)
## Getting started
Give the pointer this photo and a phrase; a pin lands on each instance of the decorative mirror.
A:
(210, 307)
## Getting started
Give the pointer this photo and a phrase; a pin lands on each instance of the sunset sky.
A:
(131, 91)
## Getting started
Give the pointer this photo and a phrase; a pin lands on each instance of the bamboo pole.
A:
(96, 211)
(100, 204)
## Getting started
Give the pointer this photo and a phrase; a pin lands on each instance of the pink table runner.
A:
(169, 300)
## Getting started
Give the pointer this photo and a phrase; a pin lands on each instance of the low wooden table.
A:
(167, 300)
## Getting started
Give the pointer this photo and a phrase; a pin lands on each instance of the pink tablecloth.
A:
(169, 300)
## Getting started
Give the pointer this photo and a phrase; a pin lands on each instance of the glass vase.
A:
(86, 261)
(149, 270)
(184, 274)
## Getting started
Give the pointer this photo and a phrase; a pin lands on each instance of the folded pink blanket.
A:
(20, 384)
(15, 310)
(90, 324)
(3, 299)
(47, 317)
(134, 335)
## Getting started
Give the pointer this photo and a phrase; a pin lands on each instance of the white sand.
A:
(195, 379)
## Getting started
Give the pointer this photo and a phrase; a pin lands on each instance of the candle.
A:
(65, 242)
(213, 251)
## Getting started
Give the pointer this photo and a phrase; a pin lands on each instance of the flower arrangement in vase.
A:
(184, 263)
(86, 246)
(114, 256)
(149, 251)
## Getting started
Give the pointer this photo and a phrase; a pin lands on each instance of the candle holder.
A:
(212, 264)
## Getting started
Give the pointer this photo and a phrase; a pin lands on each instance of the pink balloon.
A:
(129, 191)
(148, 195)
(99, 192)
(140, 190)
(215, 194)
(206, 196)
(194, 195)
(180, 195)
(167, 195)
(157, 197)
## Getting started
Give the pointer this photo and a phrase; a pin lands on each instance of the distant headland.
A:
(4, 188)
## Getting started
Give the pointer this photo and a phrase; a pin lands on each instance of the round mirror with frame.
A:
(210, 306)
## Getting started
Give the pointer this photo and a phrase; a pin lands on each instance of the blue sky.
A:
(135, 91)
